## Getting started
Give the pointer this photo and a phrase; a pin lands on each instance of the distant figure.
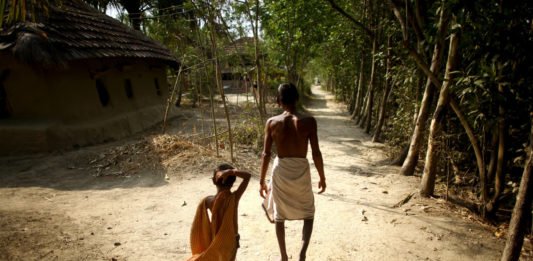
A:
(255, 91)
(217, 238)
(254, 86)
(290, 194)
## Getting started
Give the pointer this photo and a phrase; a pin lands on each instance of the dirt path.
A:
(54, 208)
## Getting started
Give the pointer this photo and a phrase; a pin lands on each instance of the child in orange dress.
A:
(217, 238)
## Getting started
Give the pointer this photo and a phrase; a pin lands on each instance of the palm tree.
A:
(12, 11)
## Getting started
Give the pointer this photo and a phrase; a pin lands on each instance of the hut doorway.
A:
(5, 112)
(4, 108)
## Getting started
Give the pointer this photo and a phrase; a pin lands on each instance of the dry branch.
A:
(404, 200)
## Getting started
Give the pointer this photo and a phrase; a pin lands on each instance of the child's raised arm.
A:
(245, 176)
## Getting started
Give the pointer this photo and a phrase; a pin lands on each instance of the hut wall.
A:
(61, 108)
(26, 90)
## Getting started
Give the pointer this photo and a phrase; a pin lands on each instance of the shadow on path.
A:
(91, 168)
(57, 173)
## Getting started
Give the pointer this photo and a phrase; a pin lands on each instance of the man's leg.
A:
(306, 237)
(280, 233)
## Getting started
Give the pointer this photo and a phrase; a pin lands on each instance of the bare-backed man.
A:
(291, 195)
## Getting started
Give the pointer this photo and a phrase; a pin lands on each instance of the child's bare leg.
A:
(280, 233)
(306, 237)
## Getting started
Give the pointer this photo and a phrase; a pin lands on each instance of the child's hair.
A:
(229, 179)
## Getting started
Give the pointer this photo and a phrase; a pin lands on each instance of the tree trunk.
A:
(213, 115)
(475, 146)
(362, 116)
(398, 161)
(266, 92)
(427, 186)
(218, 77)
(362, 119)
(522, 209)
(370, 101)
(260, 86)
(491, 169)
(351, 106)
(170, 98)
(334, 85)
(499, 178)
(342, 93)
(258, 91)
(386, 93)
(194, 89)
(358, 100)
(328, 82)
(455, 107)
(420, 84)
(179, 94)
(408, 167)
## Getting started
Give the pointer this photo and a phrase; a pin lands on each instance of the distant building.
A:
(239, 68)
(78, 77)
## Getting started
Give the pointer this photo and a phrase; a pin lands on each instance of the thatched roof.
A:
(241, 51)
(76, 31)
(240, 46)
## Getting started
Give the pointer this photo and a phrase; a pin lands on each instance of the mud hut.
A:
(77, 77)
(238, 67)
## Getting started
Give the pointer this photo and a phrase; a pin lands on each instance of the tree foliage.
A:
(295, 30)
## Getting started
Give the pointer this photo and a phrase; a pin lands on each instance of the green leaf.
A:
(479, 82)
(11, 14)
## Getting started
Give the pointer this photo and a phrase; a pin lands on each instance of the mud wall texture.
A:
(78, 104)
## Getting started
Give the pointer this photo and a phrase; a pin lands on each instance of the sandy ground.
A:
(54, 207)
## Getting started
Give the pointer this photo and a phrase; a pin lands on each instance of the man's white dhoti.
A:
(291, 196)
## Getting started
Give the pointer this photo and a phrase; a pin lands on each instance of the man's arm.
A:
(317, 156)
(265, 159)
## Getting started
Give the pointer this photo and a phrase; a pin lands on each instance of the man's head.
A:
(287, 94)
(223, 183)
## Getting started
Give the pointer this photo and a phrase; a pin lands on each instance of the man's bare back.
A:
(291, 133)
